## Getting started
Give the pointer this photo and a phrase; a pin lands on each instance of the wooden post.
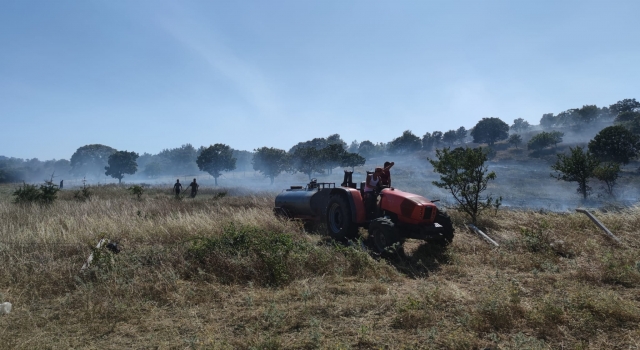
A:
(483, 235)
(597, 222)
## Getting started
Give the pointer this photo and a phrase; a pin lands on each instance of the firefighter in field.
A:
(386, 174)
(372, 187)
(177, 187)
(194, 188)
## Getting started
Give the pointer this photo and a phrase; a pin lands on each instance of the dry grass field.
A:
(221, 272)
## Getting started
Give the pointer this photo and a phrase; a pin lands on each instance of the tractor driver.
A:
(385, 178)
(371, 189)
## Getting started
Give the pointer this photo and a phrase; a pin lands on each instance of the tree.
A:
(450, 137)
(407, 143)
(153, 169)
(317, 143)
(353, 147)
(588, 113)
(90, 159)
(461, 134)
(464, 174)
(548, 120)
(352, 160)
(216, 159)
(490, 130)
(180, 160)
(335, 139)
(626, 117)
(576, 167)
(520, 125)
(307, 160)
(366, 148)
(120, 163)
(608, 173)
(331, 156)
(270, 162)
(244, 160)
(428, 141)
(616, 144)
(544, 139)
(515, 140)
(626, 105)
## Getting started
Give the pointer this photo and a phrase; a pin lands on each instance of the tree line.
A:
(323, 154)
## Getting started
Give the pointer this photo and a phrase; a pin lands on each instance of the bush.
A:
(45, 194)
(244, 253)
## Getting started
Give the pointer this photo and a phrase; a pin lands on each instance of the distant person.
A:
(61, 183)
(371, 189)
(177, 187)
(194, 188)
(385, 178)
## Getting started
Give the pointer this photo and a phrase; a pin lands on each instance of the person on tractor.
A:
(372, 187)
(194, 188)
(385, 178)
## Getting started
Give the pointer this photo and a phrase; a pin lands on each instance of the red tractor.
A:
(397, 215)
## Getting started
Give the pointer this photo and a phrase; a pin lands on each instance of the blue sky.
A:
(146, 75)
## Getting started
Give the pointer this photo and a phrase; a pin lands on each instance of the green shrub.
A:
(136, 190)
(44, 194)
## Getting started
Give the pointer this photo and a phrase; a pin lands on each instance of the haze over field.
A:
(148, 75)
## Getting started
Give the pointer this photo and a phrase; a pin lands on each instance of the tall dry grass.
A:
(223, 272)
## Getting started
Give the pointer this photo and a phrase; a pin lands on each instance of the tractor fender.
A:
(356, 203)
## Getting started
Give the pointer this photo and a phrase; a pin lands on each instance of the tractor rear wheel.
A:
(340, 225)
(383, 233)
(444, 220)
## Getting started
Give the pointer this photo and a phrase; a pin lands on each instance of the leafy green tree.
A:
(490, 131)
(548, 120)
(464, 174)
(216, 159)
(576, 167)
(90, 160)
(317, 143)
(180, 160)
(626, 105)
(450, 137)
(608, 173)
(556, 137)
(244, 160)
(335, 139)
(520, 125)
(352, 160)
(331, 156)
(544, 139)
(307, 160)
(588, 113)
(515, 140)
(366, 148)
(616, 144)
(353, 147)
(270, 162)
(120, 163)
(428, 141)
(153, 169)
(407, 143)
(461, 134)
(626, 116)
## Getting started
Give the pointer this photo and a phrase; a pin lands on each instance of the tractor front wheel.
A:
(444, 220)
(383, 233)
(340, 225)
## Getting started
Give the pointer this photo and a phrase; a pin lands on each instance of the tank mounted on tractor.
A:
(397, 215)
